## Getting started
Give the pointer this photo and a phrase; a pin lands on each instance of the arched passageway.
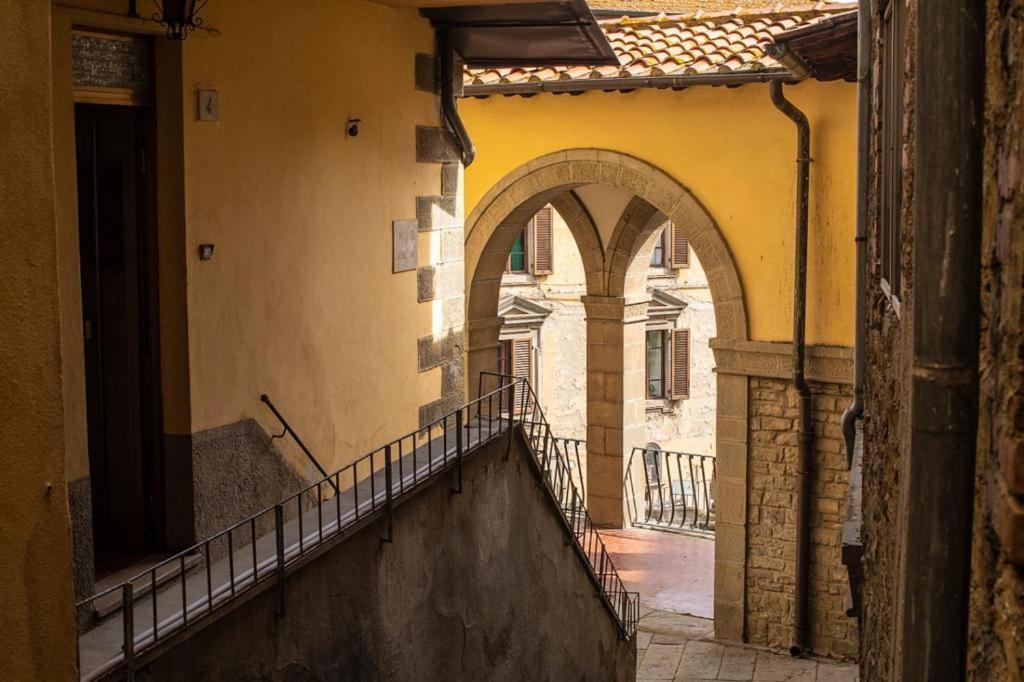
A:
(615, 261)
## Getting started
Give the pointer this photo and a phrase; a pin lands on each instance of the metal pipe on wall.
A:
(856, 409)
(805, 435)
(449, 108)
(946, 310)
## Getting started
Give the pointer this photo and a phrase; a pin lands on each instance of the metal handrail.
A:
(663, 504)
(262, 547)
(291, 432)
(367, 488)
(556, 474)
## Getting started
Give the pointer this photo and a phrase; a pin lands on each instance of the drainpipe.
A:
(948, 215)
(805, 436)
(448, 106)
(856, 409)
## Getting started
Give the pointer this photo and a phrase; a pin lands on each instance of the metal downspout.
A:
(947, 316)
(805, 437)
(856, 409)
(448, 106)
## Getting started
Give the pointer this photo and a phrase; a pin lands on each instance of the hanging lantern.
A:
(179, 16)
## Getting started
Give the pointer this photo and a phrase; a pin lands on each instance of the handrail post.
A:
(388, 493)
(128, 626)
(279, 537)
(501, 402)
(458, 448)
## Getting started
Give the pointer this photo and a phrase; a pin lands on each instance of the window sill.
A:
(660, 405)
(659, 272)
(514, 278)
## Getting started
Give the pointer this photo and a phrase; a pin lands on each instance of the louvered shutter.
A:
(522, 366)
(679, 247)
(680, 363)
(541, 262)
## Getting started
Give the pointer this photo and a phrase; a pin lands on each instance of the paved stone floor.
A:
(671, 571)
(673, 646)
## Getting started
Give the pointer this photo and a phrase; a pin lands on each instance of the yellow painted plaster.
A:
(299, 301)
(37, 630)
(736, 153)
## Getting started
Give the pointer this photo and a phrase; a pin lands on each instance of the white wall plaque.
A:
(209, 105)
(406, 234)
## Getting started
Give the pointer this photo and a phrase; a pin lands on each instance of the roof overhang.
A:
(824, 49)
(560, 32)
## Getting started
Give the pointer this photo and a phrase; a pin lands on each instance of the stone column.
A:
(482, 353)
(615, 400)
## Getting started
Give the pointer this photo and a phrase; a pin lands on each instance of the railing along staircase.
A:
(257, 553)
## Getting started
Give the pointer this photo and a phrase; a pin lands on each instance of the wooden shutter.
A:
(540, 262)
(679, 247)
(522, 366)
(680, 352)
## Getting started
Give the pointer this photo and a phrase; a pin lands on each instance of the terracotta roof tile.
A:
(692, 43)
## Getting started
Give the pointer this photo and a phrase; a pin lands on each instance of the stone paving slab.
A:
(680, 648)
(660, 661)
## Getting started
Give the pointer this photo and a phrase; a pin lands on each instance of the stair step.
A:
(111, 602)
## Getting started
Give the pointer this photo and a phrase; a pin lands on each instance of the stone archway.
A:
(616, 309)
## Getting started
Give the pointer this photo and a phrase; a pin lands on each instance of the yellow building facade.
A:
(618, 151)
(263, 169)
(271, 174)
(734, 152)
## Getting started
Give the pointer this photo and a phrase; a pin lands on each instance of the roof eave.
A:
(732, 79)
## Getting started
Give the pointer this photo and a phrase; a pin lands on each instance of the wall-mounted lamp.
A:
(353, 127)
(206, 252)
(179, 16)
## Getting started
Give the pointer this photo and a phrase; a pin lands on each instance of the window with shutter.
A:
(679, 251)
(893, 110)
(540, 238)
(659, 253)
(680, 364)
(517, 256)
(655, 370)
(521, 353)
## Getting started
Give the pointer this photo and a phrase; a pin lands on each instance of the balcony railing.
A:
(671, 490)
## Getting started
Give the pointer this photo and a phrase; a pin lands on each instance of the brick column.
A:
(615, 400)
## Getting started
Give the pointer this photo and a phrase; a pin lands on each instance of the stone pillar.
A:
(615, 400)
(482, 353)
(731, 506)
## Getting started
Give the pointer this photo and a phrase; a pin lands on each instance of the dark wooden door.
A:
(117, 307)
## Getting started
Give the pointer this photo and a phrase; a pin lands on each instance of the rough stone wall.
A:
(886, 391)
(771, 518)
(996, 630)
(456, 596)
(238, 471)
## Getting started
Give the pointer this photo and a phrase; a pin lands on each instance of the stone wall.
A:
(996, 634)
(771, 520)
(455, 596)
(888, 359)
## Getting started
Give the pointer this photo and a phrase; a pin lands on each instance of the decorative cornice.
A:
(832, 364)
